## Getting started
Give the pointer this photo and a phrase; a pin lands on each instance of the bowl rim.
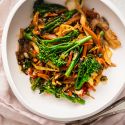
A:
(108, 3)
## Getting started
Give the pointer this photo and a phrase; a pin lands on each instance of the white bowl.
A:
(48, 106)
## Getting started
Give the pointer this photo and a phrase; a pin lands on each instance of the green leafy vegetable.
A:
(49, 88)
(58, 21)
(44, 8)
(86, 68)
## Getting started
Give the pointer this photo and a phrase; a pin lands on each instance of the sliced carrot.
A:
(70, 58)
(90, 32)
(49, 14)
(34, 52)
(86, 48)
(88, 43)
(44, 76)
(84, 51)
(70, 93)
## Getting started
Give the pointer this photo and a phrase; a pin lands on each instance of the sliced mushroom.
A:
(90, 13)
(110, 36)
(112, 39)
(99, 22)
(107, 54)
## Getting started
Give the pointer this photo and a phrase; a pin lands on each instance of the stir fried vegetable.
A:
(66, 49)
(86, 69)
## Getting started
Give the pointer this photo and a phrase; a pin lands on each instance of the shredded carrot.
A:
(70, 93)
(49, 14)
(35, 31)
(84, 51)
(44, 76)
(95, 37)
(73, 19)
(35, 19)
(34, 52)
(70, 58)
(88, 43)
(90, 32)
(102, 61)
(99, 43)
(86, 48)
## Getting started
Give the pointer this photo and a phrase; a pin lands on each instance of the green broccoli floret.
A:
(86, 68)
(46, 55)
(58, 93)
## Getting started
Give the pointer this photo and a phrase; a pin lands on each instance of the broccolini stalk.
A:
(74, 98)
(58, 21)
(28, 36)
(77, 44)
(61, 47)
(70, 36)
(102, 33)
(49, 88)
(86, 68)
(46, 55)
(44, 8)
(73, 63)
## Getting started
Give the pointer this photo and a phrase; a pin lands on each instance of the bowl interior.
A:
(49, 106)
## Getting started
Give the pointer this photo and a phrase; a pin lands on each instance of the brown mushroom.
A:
(99, 22)
(112, 40)
(109, 36)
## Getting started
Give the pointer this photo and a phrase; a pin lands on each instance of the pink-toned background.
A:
(11, 111)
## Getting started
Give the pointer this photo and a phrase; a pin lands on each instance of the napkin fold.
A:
(11, 111)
